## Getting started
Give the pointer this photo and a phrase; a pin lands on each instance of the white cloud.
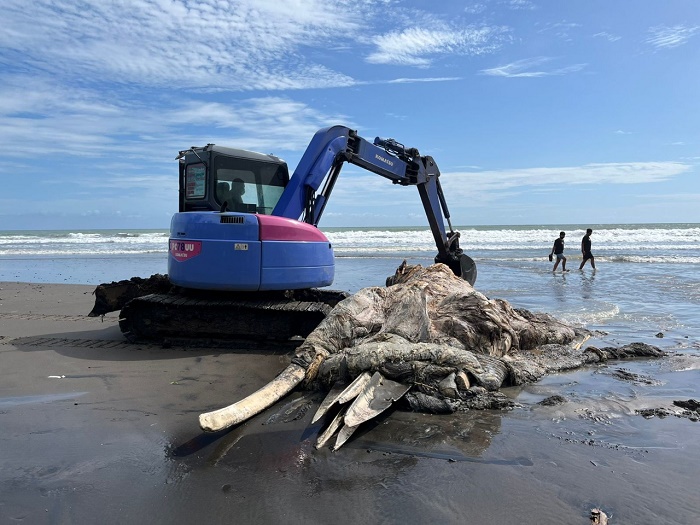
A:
(669, 37)
(98, 96)
(55, 119)
(418, 46)
(216, 45)
(492, 185)
(607, 36)
(560, 29)
(670, 199)
(475, 8)
(236, 45)
(428, 79)
(530, 67)
(465, 183)
(521, 4)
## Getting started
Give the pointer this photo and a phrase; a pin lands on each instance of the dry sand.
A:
(96, 430)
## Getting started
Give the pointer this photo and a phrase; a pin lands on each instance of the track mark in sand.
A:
(54, 317)
(63, 342)
(66, 342)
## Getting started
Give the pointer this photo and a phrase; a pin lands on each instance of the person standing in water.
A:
(558, 252)
(586, 249)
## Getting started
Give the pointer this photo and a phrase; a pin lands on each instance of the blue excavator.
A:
(246, 256)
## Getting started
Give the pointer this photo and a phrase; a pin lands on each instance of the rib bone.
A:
(341, 393)
(255, 403)
(332, 428)
(377, 395)
(332, 396)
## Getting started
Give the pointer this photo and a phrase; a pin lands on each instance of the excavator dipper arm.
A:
(323, 160)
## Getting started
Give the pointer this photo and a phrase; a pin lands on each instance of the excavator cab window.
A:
(247, 181)
(195, 181)
(249, 185)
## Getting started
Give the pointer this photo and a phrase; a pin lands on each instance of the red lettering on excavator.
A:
(183, 250)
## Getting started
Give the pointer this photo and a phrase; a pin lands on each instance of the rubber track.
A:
(161, 317)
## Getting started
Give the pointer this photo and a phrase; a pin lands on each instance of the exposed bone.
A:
(335, 392)
(255, 402)
(338, 388)
(377, 396)
(357, 386)
(357, 410)
(448, 386)
(579, 344)
(332, 428)
(343, 436)
(342, 392)
(461, 380)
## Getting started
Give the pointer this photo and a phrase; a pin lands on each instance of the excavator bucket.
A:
(468, 269)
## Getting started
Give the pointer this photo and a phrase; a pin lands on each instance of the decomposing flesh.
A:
(429, 337)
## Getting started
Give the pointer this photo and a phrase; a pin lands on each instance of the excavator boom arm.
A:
(327, 152)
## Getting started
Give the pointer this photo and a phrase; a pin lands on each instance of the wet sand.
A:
(96, 430)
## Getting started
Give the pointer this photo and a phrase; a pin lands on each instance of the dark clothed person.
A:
(558, 250)
(586, 249)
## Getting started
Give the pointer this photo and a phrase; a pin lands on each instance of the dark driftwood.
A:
(111, 297)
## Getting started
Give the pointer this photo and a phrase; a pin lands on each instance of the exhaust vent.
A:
(232, 219)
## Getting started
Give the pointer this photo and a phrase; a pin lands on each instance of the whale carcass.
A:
(428, 337)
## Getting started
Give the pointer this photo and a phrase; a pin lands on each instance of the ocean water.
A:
(647, 279)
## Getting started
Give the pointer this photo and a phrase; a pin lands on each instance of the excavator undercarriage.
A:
(188, 315)
(153, 309)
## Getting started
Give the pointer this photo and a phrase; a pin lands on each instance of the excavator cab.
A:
(225, 236)
(247, 181)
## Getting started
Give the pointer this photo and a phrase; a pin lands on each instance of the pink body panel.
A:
(282, 229)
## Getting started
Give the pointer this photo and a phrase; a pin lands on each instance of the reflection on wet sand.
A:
(462, 436)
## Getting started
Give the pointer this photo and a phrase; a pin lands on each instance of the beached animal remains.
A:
(428, 337)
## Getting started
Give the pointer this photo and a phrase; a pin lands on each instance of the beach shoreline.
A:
(95, 429)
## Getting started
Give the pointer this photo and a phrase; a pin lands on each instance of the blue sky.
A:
(537, 112)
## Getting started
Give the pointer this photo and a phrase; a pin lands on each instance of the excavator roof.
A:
(242, 153)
